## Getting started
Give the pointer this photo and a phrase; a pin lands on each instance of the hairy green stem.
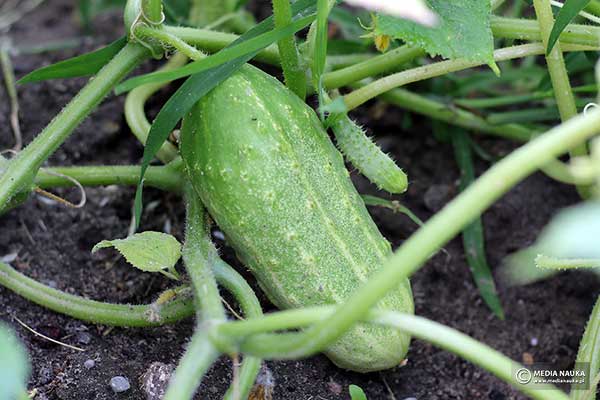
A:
(11, 91)
(152, 10)
(22, 169)
(198, 255)
(380, 86)
(529, 29)
(95, 311)
(356, 66)
(556, 63)
(231, 280)
(546, 262)
(168, 40)
(440, 335)
(293, 71)
(565, 100)
(197, 359)
(434, 234)
(213, 41)
(371, 67)
(135, 114)
(168, 178)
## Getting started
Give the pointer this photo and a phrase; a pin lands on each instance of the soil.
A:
(544, 320)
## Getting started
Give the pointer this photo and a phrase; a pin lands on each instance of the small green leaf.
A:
(148, 251)
(569, 10)
(356, 393)
(14, 366)
(463, 30)
(83, 65)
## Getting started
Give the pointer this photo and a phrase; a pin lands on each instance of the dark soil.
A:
(53, 245)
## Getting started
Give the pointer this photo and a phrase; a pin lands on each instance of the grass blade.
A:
(566, 14)
(252, 45)
(473, 239)
(197, 86)
(83, 65)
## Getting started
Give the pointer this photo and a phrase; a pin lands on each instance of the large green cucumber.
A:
(269, 175)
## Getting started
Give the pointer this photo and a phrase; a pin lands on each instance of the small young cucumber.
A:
(367, 157)
(266, 170)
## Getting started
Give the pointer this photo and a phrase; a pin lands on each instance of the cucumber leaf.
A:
(463, 30)
(195, 87)
(83, 65)
(569, 10)
(148, 251)
(14, 367)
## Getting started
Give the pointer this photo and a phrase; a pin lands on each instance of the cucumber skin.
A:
(269, 175)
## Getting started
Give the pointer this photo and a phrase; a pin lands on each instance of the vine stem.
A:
(380, 86)
(135, 114)
(22, 169)
(442, 227)
(371, 67)
(546, 262)
(198, 256)
(565, 100)
(152, 10)
(293, 71)
(95, 311)
(167, 39)
(168, 178)
(11, 91)
(529, 29)
(440, 335)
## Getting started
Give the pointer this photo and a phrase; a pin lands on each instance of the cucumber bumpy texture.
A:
(269, 175)
(367, 157)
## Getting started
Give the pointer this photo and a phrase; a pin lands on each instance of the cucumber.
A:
(269, 175)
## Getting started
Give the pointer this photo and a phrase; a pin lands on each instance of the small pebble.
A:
(156, 379)
(410, 398)
(89, 364)
(218, 235)
(534, 341)
(119, 384)
(84, 338)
